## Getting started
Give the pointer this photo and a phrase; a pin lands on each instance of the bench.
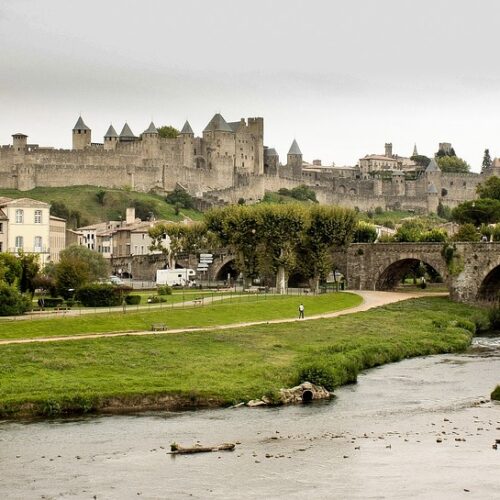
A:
(251, 290)
(157, 327)
(198, 300)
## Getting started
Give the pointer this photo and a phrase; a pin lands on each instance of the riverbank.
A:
(218, 368)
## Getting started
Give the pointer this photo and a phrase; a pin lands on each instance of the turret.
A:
(19, 142)
(186, 136)
(388, 149)
(415, 152)
(110, 139)
(271, 161)
(81, 135)
(432, 198)
(433, 175)
(221, 136)
(126, 135)
(294, 160)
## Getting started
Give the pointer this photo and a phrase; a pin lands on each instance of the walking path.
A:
(371, 299)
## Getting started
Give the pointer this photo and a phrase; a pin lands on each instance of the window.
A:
(19, 216)
(19, 242)
(1, 246)
(38, 216)
(1, 227)
(38, 243)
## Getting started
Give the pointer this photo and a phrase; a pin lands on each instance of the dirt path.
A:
(371, 299)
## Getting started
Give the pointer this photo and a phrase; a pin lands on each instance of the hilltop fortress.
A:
(227, 163)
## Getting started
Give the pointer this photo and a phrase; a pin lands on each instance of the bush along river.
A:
(420, 428)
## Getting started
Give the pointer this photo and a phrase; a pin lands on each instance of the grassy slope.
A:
(235, 310)
(228, 366)
(83, 199)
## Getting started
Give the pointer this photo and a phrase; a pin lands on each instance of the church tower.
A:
(81, 135)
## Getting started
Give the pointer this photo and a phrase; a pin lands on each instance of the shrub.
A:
(318, 373)
(434, 235)
(481, 324)
(156, 299)
(495, 395)
(164, 290)
(13, 302)
(494, 317)
(100, 295)
(467, 232)
(466, 325)
(133, 300)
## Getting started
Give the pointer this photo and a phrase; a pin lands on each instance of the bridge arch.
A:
(389, 275)
(489, 286)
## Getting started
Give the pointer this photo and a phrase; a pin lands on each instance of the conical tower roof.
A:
(218, 124)
(270, 152)
(187, 129)
(432, 189)
(294, 149)
(80, 124)
(433, 166)
(111, 132)
(126, 133)
(151, 129)
(415, 152)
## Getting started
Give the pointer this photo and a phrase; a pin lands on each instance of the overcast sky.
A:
(342, 77)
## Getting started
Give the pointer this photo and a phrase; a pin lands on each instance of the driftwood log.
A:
(176, 449)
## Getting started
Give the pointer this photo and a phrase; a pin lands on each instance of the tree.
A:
(73, 218)
(452, 164)
(237, 227)
(10, 269)
(144, 209)
(168, 132)
(100, 195)
(490, 188)
(180, 197)
(326, 227)
(421, 160)
(444, 211)
(77, 266)
(467, 232)
(173, 238)
(365, 233)
(410, 231)
(29, 272)
(486, 159)
(12, 302)
(477, 212)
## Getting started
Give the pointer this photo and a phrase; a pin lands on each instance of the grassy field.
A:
(83, 199)
(222, 367)
(232, 310)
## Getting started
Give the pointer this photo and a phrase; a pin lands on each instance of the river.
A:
(421, 428)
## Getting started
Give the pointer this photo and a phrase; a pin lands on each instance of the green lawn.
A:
(232, 310)
(227, 366)
(83, 199)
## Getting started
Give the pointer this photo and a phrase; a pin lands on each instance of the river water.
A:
(421, 428)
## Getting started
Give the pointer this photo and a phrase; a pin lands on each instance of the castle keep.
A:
(227, 163)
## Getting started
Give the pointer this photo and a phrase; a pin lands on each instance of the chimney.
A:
(130, 216)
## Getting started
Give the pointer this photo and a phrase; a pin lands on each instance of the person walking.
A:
(301, 311)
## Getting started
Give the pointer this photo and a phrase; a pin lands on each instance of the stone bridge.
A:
(471, 270)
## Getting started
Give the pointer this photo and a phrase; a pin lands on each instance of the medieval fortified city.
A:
(202, 307)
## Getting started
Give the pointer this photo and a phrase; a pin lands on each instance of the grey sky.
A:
(343, 77)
